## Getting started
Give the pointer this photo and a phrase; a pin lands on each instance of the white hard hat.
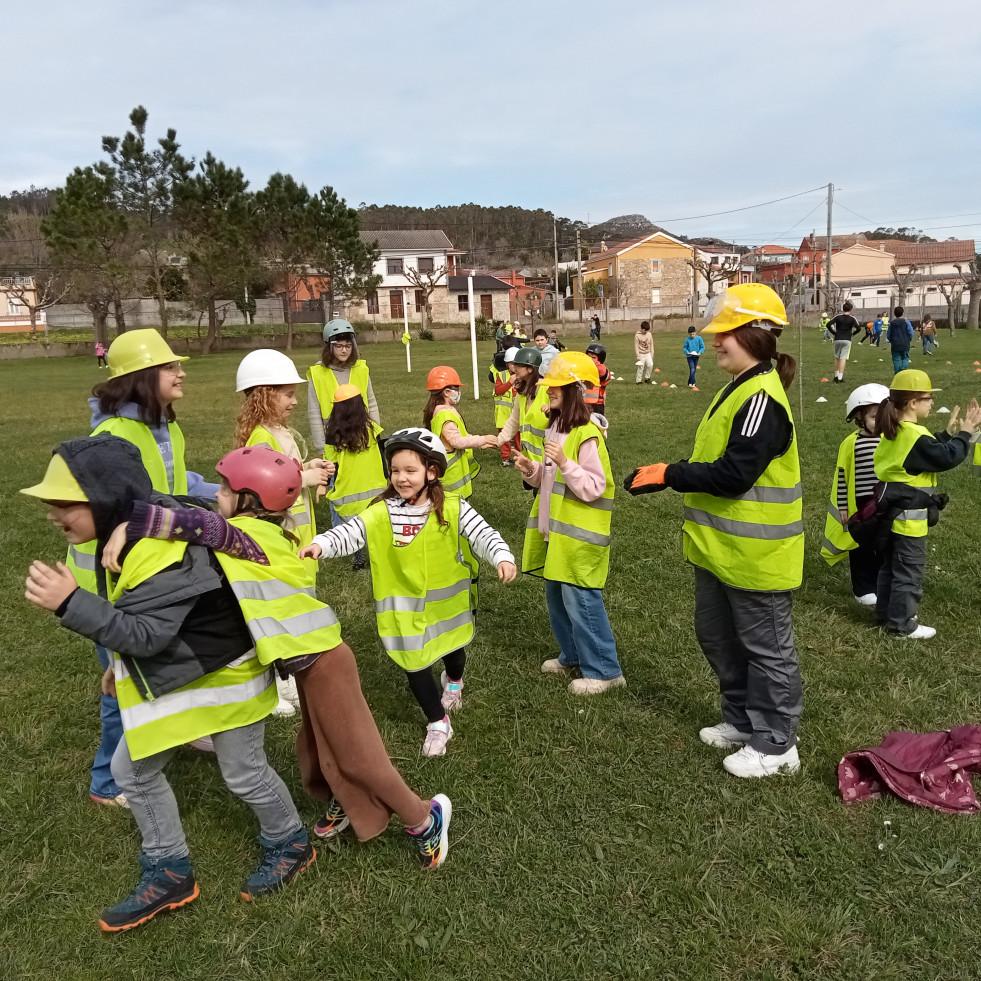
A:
(871, 394)
(510, 353)
(265, 367)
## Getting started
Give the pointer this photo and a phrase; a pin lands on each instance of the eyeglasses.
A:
(341, 344)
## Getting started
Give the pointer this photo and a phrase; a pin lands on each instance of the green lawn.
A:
(591, 838)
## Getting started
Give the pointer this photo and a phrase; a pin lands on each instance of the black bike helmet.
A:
(599, 351)
(425, 443)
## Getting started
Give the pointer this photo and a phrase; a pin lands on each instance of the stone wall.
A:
(145, 313)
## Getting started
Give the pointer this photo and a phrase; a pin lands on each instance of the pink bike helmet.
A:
(273, 477)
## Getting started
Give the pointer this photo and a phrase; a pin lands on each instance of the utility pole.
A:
(827, 271)
(555, 246)
(579, 274)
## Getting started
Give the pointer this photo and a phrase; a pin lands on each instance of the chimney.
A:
(882, 246)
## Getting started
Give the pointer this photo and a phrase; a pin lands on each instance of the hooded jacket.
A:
(180, 624)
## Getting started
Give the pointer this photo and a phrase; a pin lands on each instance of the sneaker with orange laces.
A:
(333, 822)
(165, 885)
(282, 861)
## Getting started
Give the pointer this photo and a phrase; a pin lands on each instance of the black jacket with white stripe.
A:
(761, 431)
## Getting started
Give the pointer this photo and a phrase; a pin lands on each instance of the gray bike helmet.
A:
(424, 442)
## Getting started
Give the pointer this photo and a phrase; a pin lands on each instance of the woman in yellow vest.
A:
(183, 666)
(353, 458)
(340, 364)
(910, 456)
(744, 534)
(422, 544)
(269, 379)
(853, 485)
(567, 541)
(342, 758)
(442, 416)
(136, 403)
(529, 417)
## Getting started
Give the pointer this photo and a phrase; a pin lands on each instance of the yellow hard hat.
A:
(569, 367)
(58, 484)
(139, 349)
(911, 380)
(344, 392)
(744, 304)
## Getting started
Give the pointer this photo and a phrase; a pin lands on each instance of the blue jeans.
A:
(582, 628)
(928, 341)
(692, 365)
(900, 360)
(102, 783)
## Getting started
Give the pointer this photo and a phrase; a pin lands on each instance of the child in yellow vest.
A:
(342, 758)
(422, 543)
(269, 379)
(354, 460)
(853, 485)
(442, 416)
(184, 666)
(910, 456)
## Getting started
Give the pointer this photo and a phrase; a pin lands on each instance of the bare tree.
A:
(835, 294)
(426, 283)
(712, 272)
(904, 280)
(971, 274)
(952, 293)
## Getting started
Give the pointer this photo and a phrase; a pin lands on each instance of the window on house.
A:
(882, 292)
(394, 266)
(609, 269)
(655, 266)
(372, 301)
(462, 302)
(419, 301)
(487, 305)
(396, 304)
(13, 307)
(931, 289)
(856, 294)
(655, 296)
(425, 264)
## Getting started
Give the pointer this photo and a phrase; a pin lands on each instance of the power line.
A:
(748, 207)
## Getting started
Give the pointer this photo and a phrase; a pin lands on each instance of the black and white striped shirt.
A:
(865, 478)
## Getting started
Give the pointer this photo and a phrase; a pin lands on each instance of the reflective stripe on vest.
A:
(81, 564)
(503, 404)
(890, 455)
(281, 610)
(460, 469)
(424, 591)
(755, 541)
(325, 384)
(235, 695)
(534, 422)
(360, 477)
(976, 458)
(837, 539)
(578, 546)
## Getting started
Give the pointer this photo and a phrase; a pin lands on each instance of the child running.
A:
(442, 416)
(184, 666)
(908, 459)
(853, 485)
(342, 758)
(422, 542)
(567, 542)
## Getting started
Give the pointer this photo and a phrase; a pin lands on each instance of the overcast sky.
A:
(589, 110)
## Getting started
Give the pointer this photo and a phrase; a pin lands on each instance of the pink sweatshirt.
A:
(584, 476)
(450, 433)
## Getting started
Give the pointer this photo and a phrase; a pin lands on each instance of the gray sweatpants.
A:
(900, 586)
(748, 639)
(247, 773)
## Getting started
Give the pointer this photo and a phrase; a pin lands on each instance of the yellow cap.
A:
(569, 367)
(744, 304)
(58, 484)
(139, 349)
(911, 380)
(344, 392)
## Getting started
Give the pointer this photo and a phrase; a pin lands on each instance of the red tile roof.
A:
(926, 253)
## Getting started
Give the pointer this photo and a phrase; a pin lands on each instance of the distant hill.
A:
(620, 228)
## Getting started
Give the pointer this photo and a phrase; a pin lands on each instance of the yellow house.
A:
(861, 262)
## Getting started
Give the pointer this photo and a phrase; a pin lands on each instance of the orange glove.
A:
(646, 480)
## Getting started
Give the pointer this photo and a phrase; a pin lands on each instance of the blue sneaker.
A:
(433, 843)
(165, 885)
(281, 862)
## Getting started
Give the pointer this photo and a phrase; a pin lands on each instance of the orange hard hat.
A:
(441, 377)
(344, 392)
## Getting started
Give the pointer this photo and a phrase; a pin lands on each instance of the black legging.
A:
(428, 692)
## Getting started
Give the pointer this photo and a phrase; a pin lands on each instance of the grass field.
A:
(591, 838)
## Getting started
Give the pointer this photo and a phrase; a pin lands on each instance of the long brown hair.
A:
(141, 387)
(762, 345)
(435, 403)
(891, 410)
(433, 488)
(328, 360)
(573, 412)
(349, 426)
(256, 411)
(526, 386)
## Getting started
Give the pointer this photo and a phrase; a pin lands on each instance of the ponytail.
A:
(761, 343)
(890, 412)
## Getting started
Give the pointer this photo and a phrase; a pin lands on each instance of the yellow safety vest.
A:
(304, 519)
(81, 558)
(281, 609)
(236, 695)
(890, 455)
(360, 476)
(534, 422)
(460, 465)
(578, 546)
(425, 592)
(976, 458)
(503, 404)
(838, 541)
(754, 541)
(325, 384)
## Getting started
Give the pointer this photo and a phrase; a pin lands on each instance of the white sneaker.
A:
(723, 736)
(287, 691)
(283, 709)
(922, 632)
(438, 734)
(554, 666)
(867, 599)
(203, 744)
(452, 694)
(596, 686)
(748, 762)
